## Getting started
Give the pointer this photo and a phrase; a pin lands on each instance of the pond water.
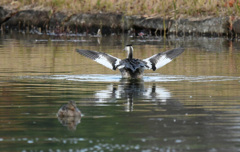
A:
(191, 104)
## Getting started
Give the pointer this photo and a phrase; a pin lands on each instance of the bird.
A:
(69, 110)
(130, 67)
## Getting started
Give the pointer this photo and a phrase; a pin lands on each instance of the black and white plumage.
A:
(130, 67)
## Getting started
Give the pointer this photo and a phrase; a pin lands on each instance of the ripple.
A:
(91, 77)
(148, 78)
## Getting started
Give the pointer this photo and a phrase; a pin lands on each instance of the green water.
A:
(191, 104)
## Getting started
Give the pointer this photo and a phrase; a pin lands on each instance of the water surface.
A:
(191, 104)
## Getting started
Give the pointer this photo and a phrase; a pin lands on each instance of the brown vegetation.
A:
(167, 8)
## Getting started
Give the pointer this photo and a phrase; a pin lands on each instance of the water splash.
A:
(147, 78)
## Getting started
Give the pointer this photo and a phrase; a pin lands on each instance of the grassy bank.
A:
(167, 8)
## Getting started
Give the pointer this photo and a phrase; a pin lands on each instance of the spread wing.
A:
(159, 60)
(107, 60)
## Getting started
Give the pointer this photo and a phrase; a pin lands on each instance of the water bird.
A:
(69, 110)
(131, 67)
(99, 33)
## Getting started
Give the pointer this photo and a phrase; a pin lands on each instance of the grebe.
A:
(130, 67)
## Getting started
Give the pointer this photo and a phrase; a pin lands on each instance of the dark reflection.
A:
(70, 122)
(69, 115)
(202, 43)
(133, 89)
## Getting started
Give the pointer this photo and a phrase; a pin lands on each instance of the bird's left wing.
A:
(159, 60)
(107, 60)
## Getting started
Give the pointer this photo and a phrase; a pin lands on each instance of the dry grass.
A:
(166, 8)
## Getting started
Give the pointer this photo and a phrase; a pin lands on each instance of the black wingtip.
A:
(77, 50)
(129, 45)
(174, 52)
(180, 50)
(90, 54)
(81, 51)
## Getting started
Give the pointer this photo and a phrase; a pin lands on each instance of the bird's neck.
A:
(130, 53)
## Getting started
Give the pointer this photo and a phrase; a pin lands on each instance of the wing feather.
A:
(107, 60)
(159, 60)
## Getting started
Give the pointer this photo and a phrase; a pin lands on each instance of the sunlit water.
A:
(191, 104)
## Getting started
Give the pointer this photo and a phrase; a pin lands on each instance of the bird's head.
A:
(128, 48)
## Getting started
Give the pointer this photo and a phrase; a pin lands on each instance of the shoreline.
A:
(41, 21)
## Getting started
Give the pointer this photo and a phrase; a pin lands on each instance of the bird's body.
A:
(131, 67)
(69, 110)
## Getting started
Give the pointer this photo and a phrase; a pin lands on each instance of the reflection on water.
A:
(70, 122)
(191, 104)
(130, 90)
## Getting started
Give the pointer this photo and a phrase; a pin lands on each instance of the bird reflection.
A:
(69, 115)
(130, 90)
(70, 122)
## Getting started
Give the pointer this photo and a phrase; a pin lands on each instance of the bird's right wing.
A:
(159, 60)
(107, 60)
